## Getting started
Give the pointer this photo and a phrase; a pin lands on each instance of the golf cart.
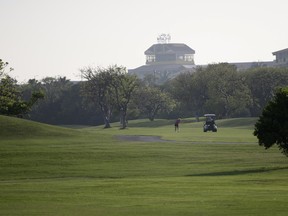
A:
(210, 124)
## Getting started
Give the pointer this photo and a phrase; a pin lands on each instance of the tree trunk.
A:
(123, 120)
(107, 122)
(106, 115)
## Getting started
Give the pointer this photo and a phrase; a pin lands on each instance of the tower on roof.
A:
(164, 38)
(165, 60)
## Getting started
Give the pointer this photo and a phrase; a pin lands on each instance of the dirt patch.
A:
(141, 138)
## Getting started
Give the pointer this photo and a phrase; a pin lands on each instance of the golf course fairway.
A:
(53, 170)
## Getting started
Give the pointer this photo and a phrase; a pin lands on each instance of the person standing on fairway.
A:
(177, 122)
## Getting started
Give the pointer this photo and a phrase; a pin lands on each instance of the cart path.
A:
(143, 138)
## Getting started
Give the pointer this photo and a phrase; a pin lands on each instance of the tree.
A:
(123, 86)
(151, 101)
(192, 91)
(272, 126)
(182, 88)
(3, 65)
(97, 89)
(11, 102)
(49, 109)
(262, 83)
(63, 103)
(111, 89)
(228, 94)
(73, 110)
(217, 88)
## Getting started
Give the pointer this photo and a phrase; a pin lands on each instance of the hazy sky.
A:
(41, 38)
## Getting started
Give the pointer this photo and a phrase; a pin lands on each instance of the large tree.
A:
(123, 87)
(110, 88)
(182, 90)
(228, 94)
(272, 126)
(97, 89)
(151, 101)
(217, 88)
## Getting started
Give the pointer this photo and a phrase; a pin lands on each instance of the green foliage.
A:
(110, 88)
(262, 83)
(11, 102)
(188, 93)
(62, 103)
(107, 94)
(228, 95)
(124, 86)
(272, 126)
(9, 96)
(220, 89)
(3, 65)
(151, 101)
(217, 88)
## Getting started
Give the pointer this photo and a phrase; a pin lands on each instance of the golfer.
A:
(177, 122)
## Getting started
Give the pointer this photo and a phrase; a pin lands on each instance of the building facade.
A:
(281, 57)
(172, 53)
(166, 60)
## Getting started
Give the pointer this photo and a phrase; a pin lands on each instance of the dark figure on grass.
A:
(177, 122)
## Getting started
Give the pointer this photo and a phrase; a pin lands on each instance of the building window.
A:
(150, 58)
(188, 58)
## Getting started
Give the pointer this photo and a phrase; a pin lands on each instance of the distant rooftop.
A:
(176, 48)
(280, 51)
(169, 53)
(166, 60)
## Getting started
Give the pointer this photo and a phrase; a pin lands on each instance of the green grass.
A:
(47, 170)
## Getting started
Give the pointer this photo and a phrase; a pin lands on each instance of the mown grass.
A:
(51, 170)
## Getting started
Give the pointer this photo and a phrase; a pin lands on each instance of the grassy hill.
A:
(235, 122)
(238, 122)
(11, 127)
(50, 170)
(16, 127)
(238, 130)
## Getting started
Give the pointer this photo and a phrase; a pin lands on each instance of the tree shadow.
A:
(238, 172)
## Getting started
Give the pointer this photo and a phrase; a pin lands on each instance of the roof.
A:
(280, 51)
(161, 68)
(164, 72)
(169, 48)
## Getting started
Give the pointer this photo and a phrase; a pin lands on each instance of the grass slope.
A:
(11, 127)
(47, 170)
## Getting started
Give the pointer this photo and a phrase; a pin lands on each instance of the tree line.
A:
(221, 89)
(111, 94)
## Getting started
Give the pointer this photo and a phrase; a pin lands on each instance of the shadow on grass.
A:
(239, 172)
(247, 123)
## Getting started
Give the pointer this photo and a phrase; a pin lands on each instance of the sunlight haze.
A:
(58, 37)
